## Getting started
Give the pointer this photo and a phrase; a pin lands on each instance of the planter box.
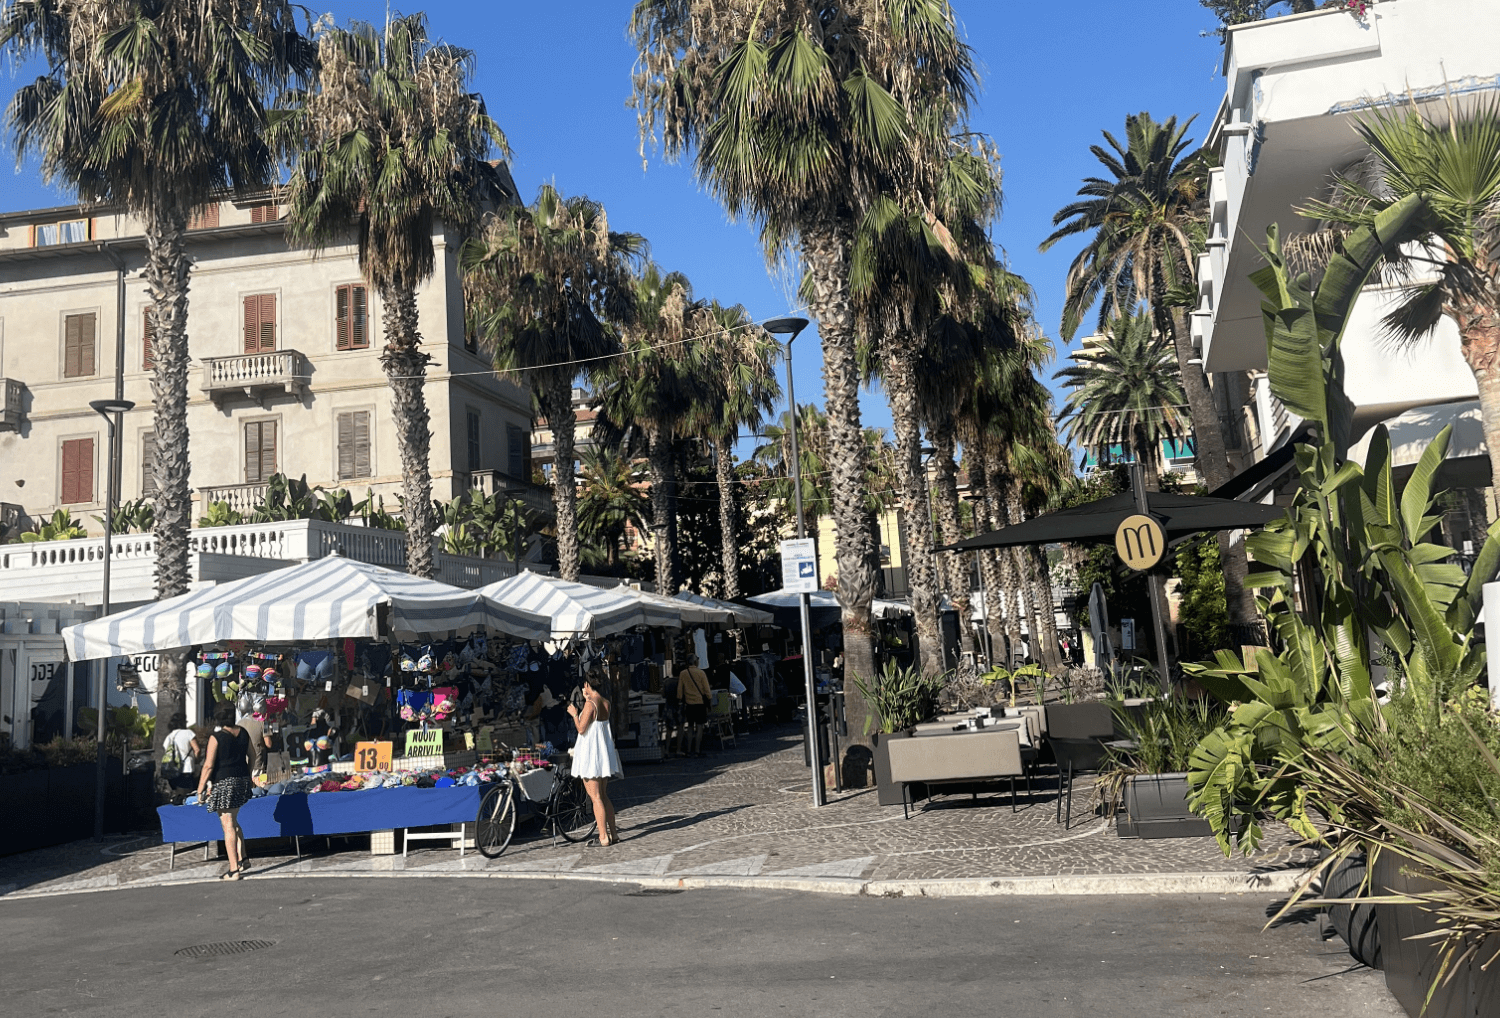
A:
(1410, 965)
(1156, 807)
(888, 792)
(55, 805)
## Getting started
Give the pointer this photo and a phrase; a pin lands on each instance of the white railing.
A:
(469, 572)
(241, 497)
(251, 371)
(364, 544)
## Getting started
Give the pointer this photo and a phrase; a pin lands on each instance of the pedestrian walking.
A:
(224, 784)
(177, 753)
(693, 690)
(595, 759)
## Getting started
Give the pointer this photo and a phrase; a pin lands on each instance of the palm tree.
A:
(388, 144)
(155, 109)
(654, 387)
(739, 359)
(800, 116)
(1455, 162)
(775, 456)
(610, 501)
(1125, 395)
(548, 288)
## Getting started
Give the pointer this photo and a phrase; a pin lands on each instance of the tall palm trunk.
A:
(1212, 457)
(406, 368)
(1148, 455)
(1008, 595)
(663, 519)
(825, 252)
(559, 412)
(900, 390)
(1479, 333)
(989, 562)
(729, 545)
(167, 271)
(1033, 565)
(945, 496)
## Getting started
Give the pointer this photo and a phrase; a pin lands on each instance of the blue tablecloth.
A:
(376, 809)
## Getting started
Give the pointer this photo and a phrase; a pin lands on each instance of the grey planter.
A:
(887, 792)
(1156, 807)
(1410, 965)
(53, 805)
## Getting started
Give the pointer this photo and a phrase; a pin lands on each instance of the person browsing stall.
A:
(694, 692)
(224, 784)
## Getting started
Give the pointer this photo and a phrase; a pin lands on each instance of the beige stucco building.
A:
(286, 372)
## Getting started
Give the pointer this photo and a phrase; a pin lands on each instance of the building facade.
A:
(286, 374)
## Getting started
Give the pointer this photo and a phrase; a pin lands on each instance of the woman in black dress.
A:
(226, 772)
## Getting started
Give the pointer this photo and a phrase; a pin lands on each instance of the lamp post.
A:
(793, 327)
(111, 410)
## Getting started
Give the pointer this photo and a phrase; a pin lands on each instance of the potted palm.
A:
(900, 698)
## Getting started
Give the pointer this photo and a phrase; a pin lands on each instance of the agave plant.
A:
(901, 697)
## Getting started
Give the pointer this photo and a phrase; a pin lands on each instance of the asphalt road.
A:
(537, 949)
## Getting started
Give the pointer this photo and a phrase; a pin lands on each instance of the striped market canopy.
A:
(324, 599)
(692, 612)
(740, 614)
(577, 609)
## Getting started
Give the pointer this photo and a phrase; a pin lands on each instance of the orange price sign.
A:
(372, 756)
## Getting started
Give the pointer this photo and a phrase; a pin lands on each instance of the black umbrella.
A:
(1179, 516)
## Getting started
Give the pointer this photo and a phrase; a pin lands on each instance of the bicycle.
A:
(566, 811)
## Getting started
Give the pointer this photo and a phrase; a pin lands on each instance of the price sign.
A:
(372, 756)
(424, 743)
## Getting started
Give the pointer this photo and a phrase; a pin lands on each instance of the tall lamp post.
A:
(110, 410)
(793, 327)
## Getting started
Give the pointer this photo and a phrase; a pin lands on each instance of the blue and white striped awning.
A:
(691, 612)
(576, 609)
(740, 615)
(328, 598)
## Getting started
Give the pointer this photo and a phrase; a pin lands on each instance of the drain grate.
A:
(651, 892)
(227, 947)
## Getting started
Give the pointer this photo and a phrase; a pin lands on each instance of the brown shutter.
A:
(260, 451)
(78, 346)
(252, 452)
(252, 324)
(341, 323)
(148, 337)
(260, 322)
(265, 212)
(204, 217)
(267, 449)
(359, 308)
(354, 444)
(148, 464)
(78, 471)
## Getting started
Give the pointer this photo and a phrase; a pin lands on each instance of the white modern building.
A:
(1296, 88)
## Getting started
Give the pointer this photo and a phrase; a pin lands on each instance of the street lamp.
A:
(793, 327)
(106, 408)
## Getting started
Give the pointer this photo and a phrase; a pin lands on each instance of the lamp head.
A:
(786, 326)
(111, 406)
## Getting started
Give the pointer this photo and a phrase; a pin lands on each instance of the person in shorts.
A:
(694, 693)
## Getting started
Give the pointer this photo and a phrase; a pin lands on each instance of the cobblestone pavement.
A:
(744, 815)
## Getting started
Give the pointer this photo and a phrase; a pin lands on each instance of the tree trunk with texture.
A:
(1479, 332)
(900, 391)
(1011, 603)
(989, 565)
(406, 368)
(945, 494)
(1149, 458)
(659, 461)
(730, 546)
(1033, 565)
(559, 411)
(825, 253)
(167, 276)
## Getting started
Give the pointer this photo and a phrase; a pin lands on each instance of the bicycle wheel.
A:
(496, 821)
(572, 811)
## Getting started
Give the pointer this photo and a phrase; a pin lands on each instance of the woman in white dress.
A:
(595, 759)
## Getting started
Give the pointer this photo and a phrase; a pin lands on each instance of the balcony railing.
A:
(255, 375)
(12, 404)
(242, 498)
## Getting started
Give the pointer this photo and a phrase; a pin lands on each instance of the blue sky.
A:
(557, 75)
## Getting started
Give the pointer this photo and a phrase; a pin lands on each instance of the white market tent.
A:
(576, 609)
(740, 614)
(880, 608)
(327, 598)
(690, 612)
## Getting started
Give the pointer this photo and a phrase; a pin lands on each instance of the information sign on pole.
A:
(799, 566)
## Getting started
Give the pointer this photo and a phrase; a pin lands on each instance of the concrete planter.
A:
(887, 792)
(1156, 807)
(1410, 965)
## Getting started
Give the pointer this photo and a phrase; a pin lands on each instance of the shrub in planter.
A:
(900, 698)
(1149, 778)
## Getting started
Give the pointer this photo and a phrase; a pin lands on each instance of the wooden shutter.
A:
(260, 322)
(516, 451)
(265, 212)
(204, 217)
(148, 464)
(260, 451)
(148, 337)
(77, 471)
(351, 317)
(78, 346)
(354, 444)
(473, 423)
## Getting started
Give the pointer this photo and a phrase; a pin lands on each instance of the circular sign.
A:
(1139, 542)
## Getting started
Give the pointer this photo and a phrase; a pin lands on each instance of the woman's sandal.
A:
(232, 875)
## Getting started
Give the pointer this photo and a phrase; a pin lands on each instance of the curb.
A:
(1275, 882)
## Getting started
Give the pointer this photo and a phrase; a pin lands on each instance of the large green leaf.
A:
(1378, 482)
(1418, 494)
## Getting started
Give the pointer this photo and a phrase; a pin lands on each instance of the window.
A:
(148, 337)
(148, 464)
(354, 444)
(351, 317)
(73, 231)
(473, 439)
(78, 345)
(260, 322)
(515, 447)
(260, 451)
(204, 217)
(265, 212)
(77, 471)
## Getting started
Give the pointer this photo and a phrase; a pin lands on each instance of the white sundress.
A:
(594, 755)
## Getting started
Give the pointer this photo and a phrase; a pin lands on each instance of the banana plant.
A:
(129, 517)
(286, 499)
(60, 527)
(220, 514)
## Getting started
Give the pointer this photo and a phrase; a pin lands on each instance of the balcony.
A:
(489, 482)
(257, 376)
(242, 498)
(13, 404)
